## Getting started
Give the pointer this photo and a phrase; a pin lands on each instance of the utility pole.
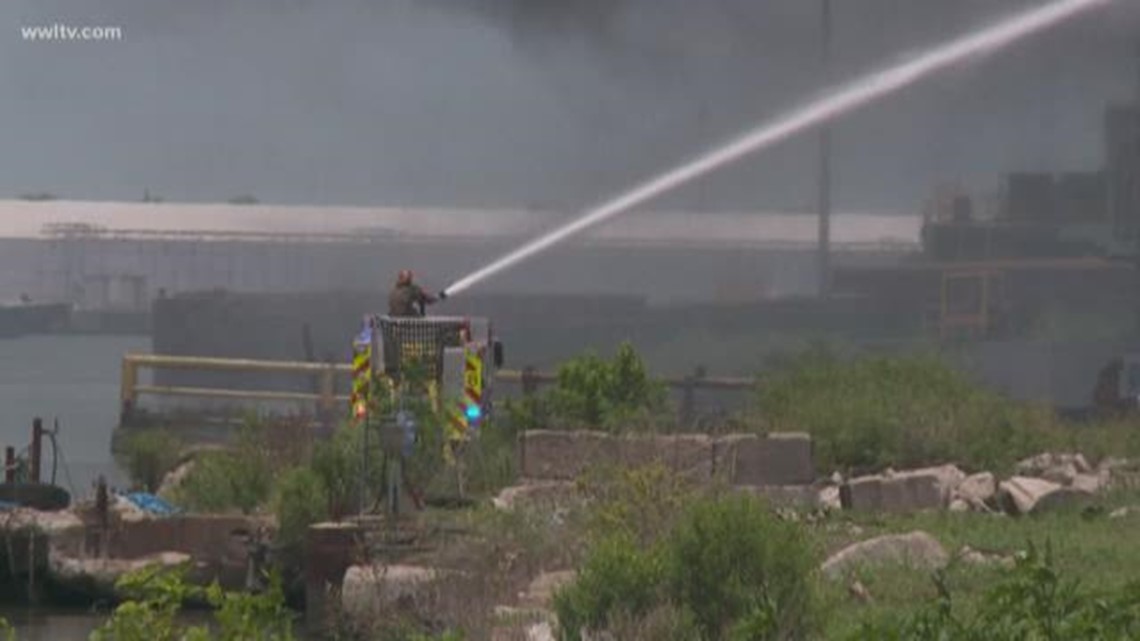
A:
(824, 248)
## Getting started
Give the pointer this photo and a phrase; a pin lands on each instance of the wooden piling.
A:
(330, 548)
(37, 450)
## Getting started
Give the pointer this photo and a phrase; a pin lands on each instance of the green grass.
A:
(1095, 550)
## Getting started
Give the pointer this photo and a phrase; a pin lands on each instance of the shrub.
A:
(243, 616)
(337, 462)
(618, 578)
(727, 570)
(873, 412)
(300, 500)
(641, 503)
(243, 476)
(595, 393)
(155, 597)
(150, 455)
(743, 573)
(226, 480)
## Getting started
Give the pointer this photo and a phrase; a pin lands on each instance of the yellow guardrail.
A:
(326, 373)
(130, 389)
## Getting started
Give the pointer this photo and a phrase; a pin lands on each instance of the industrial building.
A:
(125, 255)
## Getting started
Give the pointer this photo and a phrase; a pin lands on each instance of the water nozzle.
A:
(443, 295)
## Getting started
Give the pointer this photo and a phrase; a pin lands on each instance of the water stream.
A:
(844, 100)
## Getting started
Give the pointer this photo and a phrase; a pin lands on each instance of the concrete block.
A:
(798, 496)
(899, 493)
(783, 458)
(1026, 495)
(725, 449)
(556, 455)
(563, 456)
(687, 454)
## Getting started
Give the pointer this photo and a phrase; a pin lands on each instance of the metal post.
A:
(9, 464)
(127, 386)
(37, 447)
(825, 165)
(103, 516)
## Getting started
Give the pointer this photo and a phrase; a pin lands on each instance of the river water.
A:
(75, 380)
(49, 624)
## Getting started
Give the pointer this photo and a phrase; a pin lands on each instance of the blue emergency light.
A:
(474, 412)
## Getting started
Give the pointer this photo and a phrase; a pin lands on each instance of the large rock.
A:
(969, 555)
(1060, 468)
(97, 577)
(51, 523)
(1026, 495)
(977, 489)
(915, 549)
(368, 590)
(545, 494)
(1124, 512)
(175, 478)
(828, 498)
(949, 478)
(780, 458)
(1119, 473)
(1091, 483)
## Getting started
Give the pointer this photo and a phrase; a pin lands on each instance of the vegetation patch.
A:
(873, 412)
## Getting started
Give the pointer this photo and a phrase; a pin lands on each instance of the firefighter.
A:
(407, 298)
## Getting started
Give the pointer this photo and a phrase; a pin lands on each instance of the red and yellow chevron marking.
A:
(473, 377)
(360, 380)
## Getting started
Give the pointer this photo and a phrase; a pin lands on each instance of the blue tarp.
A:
(151, 503)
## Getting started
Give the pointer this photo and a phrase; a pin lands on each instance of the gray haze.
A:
(527, 102)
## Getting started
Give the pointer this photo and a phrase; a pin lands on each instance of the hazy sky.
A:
(527, 102)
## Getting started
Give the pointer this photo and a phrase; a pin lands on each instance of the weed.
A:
(155, 597)
(149, 455)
